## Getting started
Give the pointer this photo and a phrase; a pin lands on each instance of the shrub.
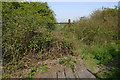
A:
(100, 27)
(20, 23)
(106, 54)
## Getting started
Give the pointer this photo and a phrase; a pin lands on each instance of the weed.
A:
(32, 72)
(44, 68)
(69, 62)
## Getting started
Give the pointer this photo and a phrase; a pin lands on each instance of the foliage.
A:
(44, 68)
(106, 54)
(113, 73)
(26, 32)
(33, 70)
(61, 61)
(20, 21)
(99, 37)
(68, 61)
(100, 27)
(97, 32)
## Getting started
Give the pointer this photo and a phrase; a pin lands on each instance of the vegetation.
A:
(98, 32)
(95, 39)
(99, 35)
(113, 72)
(20, 23)
(33, 70)
(68, 61)
(26, 33)
(29, 38)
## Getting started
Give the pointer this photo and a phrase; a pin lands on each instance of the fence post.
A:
(69, 24)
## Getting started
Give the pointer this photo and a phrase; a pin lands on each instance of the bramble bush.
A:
(21, 21)
(26, 32)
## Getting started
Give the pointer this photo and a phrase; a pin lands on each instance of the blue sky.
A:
(74, 10)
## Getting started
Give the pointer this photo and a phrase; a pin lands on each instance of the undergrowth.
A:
(99, 37)
(29, 37)
(95, 39)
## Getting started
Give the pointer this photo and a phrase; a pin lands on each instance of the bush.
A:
(100, 27)
(21, 21)
(106, 54)
(26, 33)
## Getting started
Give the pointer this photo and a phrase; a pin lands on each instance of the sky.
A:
(74, 9)
(73, 0)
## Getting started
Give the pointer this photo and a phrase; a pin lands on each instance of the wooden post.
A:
(69, 24)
